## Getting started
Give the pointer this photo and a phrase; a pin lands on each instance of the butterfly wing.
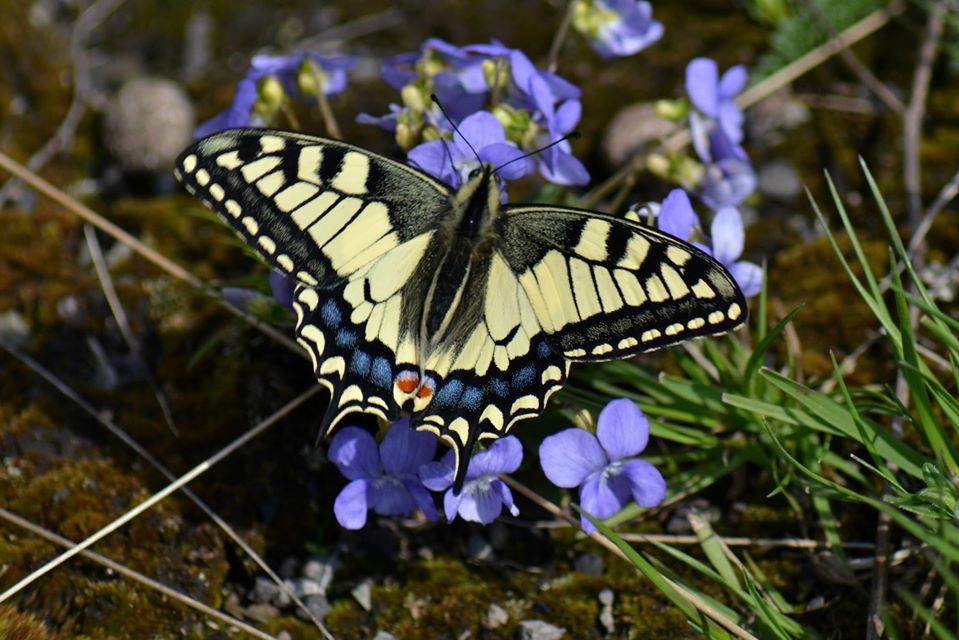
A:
(317, 210)
(349, 227)
(604, 287)
(493, 368)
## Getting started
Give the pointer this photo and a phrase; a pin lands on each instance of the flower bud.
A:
(412, 97)
(310, 78)
(672, 110)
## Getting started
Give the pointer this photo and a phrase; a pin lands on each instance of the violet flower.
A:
(728, 177)
(677, 218)
(604, 466)
(383, 479)
(715, 96)
(617, 27)
(332, 71)
(484, 495)
(452, 160)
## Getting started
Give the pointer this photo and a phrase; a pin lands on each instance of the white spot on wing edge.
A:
(189, 163)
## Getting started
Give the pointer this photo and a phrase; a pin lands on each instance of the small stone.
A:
(384, 635)
(13, 327)
(148, 123)
(284, 635)
(282, 599)
(320, 572)
(496, 616)
(539, 630)
(780, 180)
(304, 587)
(606, 618)
(363, 593)
(318, 605)
(261, 612)
(264, 590)
(589, 564)
(631, 129)
(479, 548)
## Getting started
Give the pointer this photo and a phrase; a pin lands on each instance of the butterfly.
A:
(414, 297)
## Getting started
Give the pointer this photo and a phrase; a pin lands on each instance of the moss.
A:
(17, 625)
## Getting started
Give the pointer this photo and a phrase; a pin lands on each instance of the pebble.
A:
(496, 616)
(589, 564)
(606, 618)
(148, 123)
(318, 605)
(632, 128)
(539, 630)
(320, 572)
(264, 590)
(261, 612)
(384, 635)
(479, 548)
(363, 593)
(780, 180)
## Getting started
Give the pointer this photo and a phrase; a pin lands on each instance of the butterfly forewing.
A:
(604, 287)
(317, 210)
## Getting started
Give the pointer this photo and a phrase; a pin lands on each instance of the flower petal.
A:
(570, 456)
(505, 495)
(481, 130)
(702, 80)
(503, 456)
(602, 498)
(282, 288)
(422, 498)
(404, 450)
(354, 453)
(480, 503)
(646, 483)
(748, 276)
(732, 82)
(727, 235)
(435, 157)
(350, 506)
(562, 168)
(730, 119)
(567, 117)
(501, 154)
(438, 476)
(388, 496)
(622, 429)
(676, 215)
(451, 504)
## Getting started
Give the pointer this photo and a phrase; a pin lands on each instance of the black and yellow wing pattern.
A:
(413, 297)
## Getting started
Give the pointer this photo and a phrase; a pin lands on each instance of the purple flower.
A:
(281, 286)
(385, 479)
(483, 495)
(728, 177)
(677, 218)
(603, 466)
(715, 96)
(617, 27)
(453, 160)
(330, 73)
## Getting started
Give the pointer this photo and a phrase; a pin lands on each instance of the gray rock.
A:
(264, 590)
(318, 605)
(779, 179)
(261, 612)
(496, 616)
(148, 123)
(606, 618)
(589, 564)
(363, 592)
(539, 630)
(632, 128)
(304, 587)
(319, 571)
(384, 635)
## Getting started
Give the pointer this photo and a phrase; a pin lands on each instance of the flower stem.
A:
(552, 59)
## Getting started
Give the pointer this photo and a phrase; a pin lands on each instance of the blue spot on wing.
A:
(332, 317)
(361, 363)
(346, 338)
(523, 378)
(381, 373)
(449, 393)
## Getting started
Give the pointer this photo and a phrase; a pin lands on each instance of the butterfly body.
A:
(414, 297)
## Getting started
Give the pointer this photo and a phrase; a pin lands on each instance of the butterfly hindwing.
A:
(604, 287)
(358, 372)
(317, 210)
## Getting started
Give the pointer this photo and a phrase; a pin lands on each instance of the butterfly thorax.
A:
(460, 249)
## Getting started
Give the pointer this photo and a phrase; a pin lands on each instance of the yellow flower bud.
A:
(310, 78)
(673, 110)
(412, 97)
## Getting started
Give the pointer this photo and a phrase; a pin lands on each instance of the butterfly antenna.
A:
(453, 124)
(573, 135)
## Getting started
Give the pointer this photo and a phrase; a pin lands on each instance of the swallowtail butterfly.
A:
(414, 297)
